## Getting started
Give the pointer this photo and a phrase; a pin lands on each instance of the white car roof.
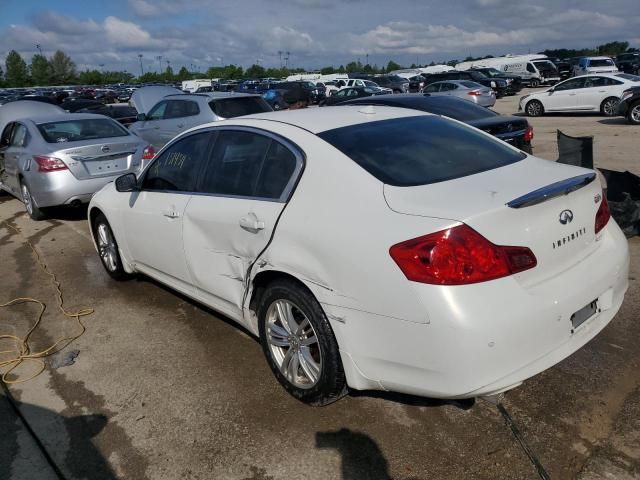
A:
(317, 120)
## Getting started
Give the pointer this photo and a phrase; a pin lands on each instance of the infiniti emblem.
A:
(566, 216)
(105, 148)
(510, 127)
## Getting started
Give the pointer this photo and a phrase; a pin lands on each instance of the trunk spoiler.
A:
(563, 187)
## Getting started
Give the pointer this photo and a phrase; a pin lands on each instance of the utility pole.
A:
(159, 58)
(280, 55)
(367, 59)
(286, 58)
(39, 48)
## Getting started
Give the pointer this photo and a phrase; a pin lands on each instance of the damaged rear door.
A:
(230, 221)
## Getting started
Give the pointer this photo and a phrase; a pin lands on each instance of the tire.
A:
(633, 114)
(108, 249)
(30, 204)
(312, 372)
(609, 107)
(534, 108)
(276, 107)
(534, 83)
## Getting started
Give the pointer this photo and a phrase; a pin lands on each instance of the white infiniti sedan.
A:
(374, 247)
(588, 93)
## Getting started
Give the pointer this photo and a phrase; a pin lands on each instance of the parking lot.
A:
(163, 388)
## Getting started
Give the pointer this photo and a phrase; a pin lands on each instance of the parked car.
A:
(49, 157)
(587, 93)
(587, 65)
(465, 90)
(513, 130)
(630, 105)
(499, 85)
(73, 104)
(124, 114)
(316, 95)
(629, 63)
(350, 93)
(175, 113)
(565, 70)
(394, 82)
(340, 237)
(275, 98)
(514, 82)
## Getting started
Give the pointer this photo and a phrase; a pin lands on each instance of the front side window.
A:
(5, 140)
(601, 63)
(531, 68)
(157, 112)
(420, 150)
(433, 88)
(178, 168)
(247, 164)
(572, 84)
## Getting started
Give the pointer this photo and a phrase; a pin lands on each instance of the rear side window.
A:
(19, 138)
(420, 150)
(178, 168)
(246, 164)
(238, 106)
(601, 63)
(80, 130)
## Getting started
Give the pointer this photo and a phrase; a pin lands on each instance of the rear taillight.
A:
(458, 256)
(602, 215)
(474, 93)
(49, 164)
(528, 134)
(148, 153)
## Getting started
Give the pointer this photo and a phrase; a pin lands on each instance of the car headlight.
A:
(626, 94)
(493, 84)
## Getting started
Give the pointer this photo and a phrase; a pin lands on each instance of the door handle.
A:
(170, 213)
(251, 223)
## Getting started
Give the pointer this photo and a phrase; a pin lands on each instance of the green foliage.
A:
(63, 70)
(227, 72)
(40, 70)
(255, 71)
(1, 77)
(184, 74)
(393, 66)
(17, 74)
(327, 70)
(611, 48)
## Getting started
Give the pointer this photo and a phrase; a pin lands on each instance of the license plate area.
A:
(584, 314)
(105, 167)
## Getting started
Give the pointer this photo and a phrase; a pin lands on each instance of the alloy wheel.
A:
(635, 114)
(610, 107)
(27, 200)
(293, 344)
(534, 109)
(107, 247)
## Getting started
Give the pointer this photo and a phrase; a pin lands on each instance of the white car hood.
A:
(145, 98)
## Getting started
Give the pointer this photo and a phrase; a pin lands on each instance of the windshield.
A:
(492, 72)
(545, 66)
(370, 84)
(606, 62)
(80, 130)
(420, 150)
(238, 106)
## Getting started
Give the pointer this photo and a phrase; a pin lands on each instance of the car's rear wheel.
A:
(534, 83)
(299, 344)
(633, 115)
(30, 203)
(534, 108)
(609, 106)
(108, 248)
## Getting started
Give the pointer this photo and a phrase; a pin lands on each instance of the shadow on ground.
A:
(69, 437)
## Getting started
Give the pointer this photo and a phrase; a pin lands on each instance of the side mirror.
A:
(141, 117)
(127, 183)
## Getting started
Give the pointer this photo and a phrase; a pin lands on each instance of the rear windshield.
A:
(420, 150)
(79, 130)
(238, 106)
(628, 76)
(601, 63)
(471, 84)
(462, 110)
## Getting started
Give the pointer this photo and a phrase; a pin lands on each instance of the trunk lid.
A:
(495, 204)
(145, 98)
(114, 156)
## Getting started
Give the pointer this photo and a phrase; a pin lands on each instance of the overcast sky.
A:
(316, 32)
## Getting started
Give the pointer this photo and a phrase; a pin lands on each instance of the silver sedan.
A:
(465, 89)
(49, 157)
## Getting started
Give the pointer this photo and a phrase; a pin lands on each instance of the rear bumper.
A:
(62, 188)
(486, 338)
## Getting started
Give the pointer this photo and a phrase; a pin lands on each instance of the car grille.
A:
(506, 128)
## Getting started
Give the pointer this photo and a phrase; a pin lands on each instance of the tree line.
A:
(59, 69)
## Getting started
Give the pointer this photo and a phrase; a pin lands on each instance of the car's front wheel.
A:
(633, 114)
(299, 344)
(534, 83)
(534, 108)
(108, 248)
(609, 107)
(30, 204)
